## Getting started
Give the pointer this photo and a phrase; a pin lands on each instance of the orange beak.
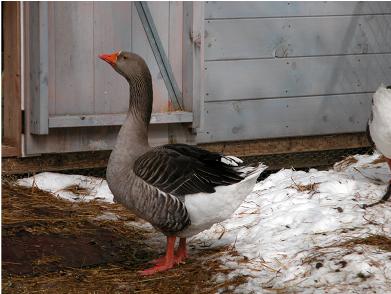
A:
(109, 58)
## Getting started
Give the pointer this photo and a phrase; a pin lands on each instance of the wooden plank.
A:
(268, 78)
(148, 23)
(9, 151)
(55, 162)
(193, 59)
(98, 159)
(74, 82)
(239, 9)
(62, 140)
(71, 121)
(175, 43)
(289, 145)
(293, 37)
(140, 45)
(26, 78)
(175, 46)
(12, 123)
(188, 52)
(273, 118)
(65, 139)
(38, 27)
(198, 36)
(51, 59)
(82, 139)
(112, 32)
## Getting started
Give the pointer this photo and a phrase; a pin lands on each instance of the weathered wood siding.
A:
(79, 83)
(276, 69)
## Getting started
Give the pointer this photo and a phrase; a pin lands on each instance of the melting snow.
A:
(290, 231)
(62, 186)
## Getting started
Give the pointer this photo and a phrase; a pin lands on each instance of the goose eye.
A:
(125, 57)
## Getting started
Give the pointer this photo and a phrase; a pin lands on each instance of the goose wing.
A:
(181, 169)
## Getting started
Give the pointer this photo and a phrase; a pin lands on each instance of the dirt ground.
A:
(54, 246)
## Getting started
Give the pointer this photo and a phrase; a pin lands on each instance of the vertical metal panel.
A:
(39, 72)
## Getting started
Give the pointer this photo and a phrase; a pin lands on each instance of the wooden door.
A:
(77, 102)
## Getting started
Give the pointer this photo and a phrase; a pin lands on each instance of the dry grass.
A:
(381, 159)
(380, 242)
(77, 190)
(345, 163)
(305, 188)
(311, 187)
(31, 217)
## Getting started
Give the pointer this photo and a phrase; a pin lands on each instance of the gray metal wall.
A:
(276, 69)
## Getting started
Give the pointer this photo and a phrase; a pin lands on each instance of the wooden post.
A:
(193, 60)
(12, 122)
(39, 66)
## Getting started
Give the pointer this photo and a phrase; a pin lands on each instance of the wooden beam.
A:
(55, 162)
(12, 121)
(193, 71)
(272, 151)
(39, 56)
(159, 53)
(72, 121)
(8, 151)
(289, 145)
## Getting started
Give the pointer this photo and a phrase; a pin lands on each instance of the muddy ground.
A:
(54, 246)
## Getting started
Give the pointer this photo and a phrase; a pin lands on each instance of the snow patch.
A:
(292, 227)
(67, 186)
(290, 231)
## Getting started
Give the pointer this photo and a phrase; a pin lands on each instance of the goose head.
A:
(134, 69)
(127, 64)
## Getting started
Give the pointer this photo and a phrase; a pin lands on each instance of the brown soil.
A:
(55, 246)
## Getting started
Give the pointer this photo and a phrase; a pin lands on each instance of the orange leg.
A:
(181, 254)
(166, 262)
(170, 259)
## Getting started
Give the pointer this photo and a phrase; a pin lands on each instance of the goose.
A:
(379, 129)
(180, 189)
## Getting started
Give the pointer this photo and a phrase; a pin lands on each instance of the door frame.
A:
(12, 116)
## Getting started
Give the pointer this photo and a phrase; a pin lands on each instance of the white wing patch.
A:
(207, 209)
(231, 160)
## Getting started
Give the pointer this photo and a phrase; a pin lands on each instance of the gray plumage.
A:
(153, 182)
